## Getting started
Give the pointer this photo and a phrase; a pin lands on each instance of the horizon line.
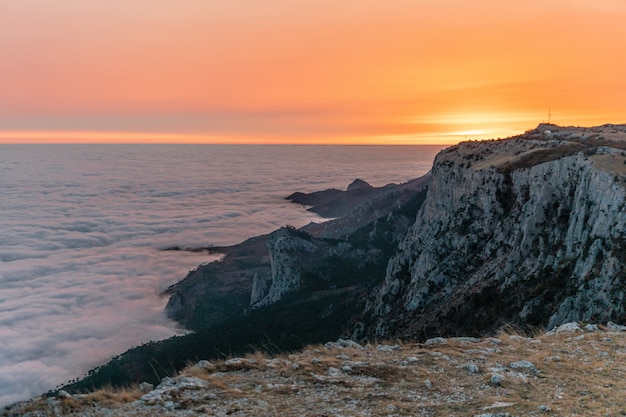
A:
(144, 138)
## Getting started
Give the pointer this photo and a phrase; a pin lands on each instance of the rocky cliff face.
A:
(529, 231)
(348, 252)
(287, 251)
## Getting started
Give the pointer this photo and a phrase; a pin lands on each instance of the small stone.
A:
(436, 341)
(497, 379)
(523, 365)
(334, 372)
(348, 343)
(568, 328)
(591, 327)
(544, 408)
(146, 387)
(63, 394)
(428, 384)
(346, 368)
(471, 368)
(411, 359)
(615, 327)
(205, 364)
(387, 348)
(295, 366)
(234, 363)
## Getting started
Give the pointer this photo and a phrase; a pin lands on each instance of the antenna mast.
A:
(549, 114)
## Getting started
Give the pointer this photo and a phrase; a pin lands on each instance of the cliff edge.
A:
(529, 231)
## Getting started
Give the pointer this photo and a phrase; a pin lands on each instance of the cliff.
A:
(529, 231)
(348, 253)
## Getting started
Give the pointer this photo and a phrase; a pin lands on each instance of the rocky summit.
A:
(571, 370)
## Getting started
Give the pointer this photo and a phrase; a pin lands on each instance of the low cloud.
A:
(81, 270)
(73, 295)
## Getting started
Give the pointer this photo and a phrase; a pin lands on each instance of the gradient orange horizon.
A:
(306, 72)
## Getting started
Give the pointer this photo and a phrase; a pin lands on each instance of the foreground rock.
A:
(569, 372)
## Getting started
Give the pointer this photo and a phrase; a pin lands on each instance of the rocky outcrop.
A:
(287, 251)
(336, 203)
(382, 202)
(220, 290)
(358, 184)
(346, 252)
(529, 231)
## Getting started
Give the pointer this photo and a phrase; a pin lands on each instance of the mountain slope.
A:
(272, 293)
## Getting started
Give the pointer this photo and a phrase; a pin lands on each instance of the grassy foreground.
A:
(566, 373)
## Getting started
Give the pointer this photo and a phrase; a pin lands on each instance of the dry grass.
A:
(578, 373)
(111, 397)
(615, 163)
(540, 156)
(534, 148)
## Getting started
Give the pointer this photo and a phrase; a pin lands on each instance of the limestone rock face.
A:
(528, 230)
(286, 251)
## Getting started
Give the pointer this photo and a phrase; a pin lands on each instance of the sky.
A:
(306, 71)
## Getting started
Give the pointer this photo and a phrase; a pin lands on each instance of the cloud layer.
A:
(81, 268)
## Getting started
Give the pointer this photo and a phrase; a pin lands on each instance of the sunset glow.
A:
(393, 72)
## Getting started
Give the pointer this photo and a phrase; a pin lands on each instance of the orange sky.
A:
(306, 71)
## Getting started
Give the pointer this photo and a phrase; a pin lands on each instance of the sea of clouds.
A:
(82, 229)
